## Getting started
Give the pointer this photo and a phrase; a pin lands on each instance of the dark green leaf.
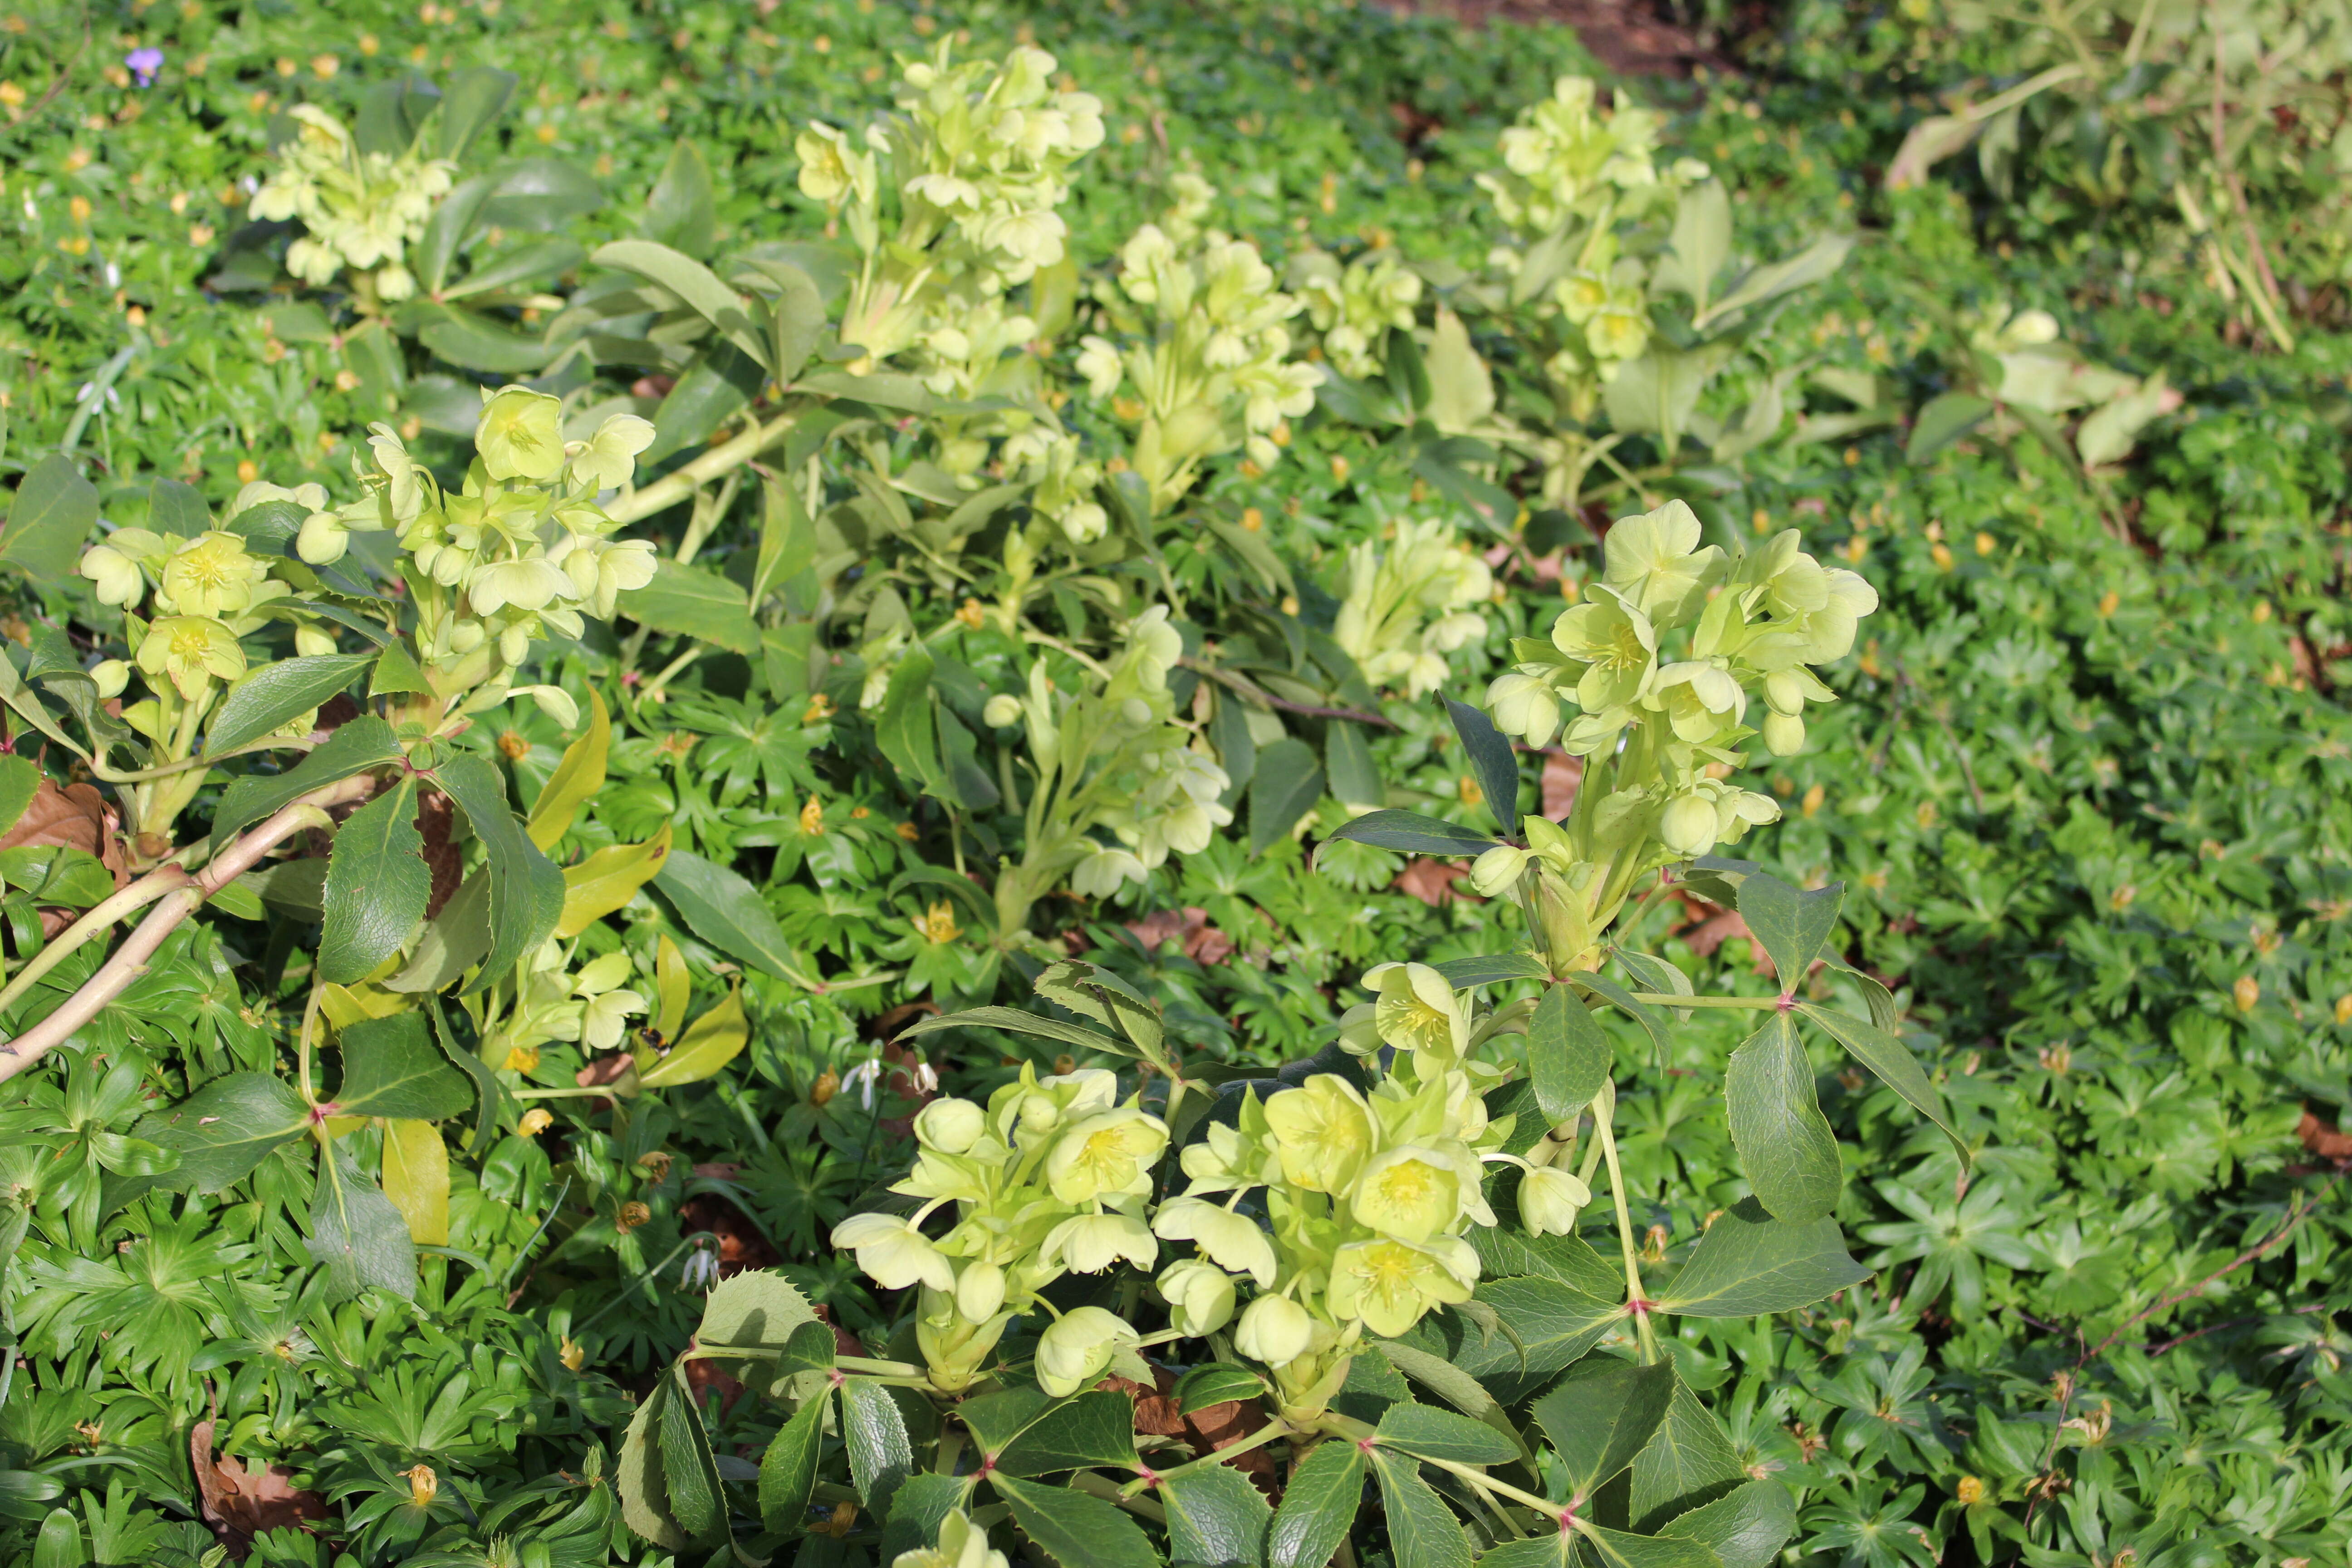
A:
(681, 211)
(363, 744)
(526, 889)
(1786, 1147)
(704, 292)
(1552, 1548)
(713, 389)
(995, 1419)
(1014, 1021)
(1602, 1414)
(1489, 969)
(788, 1470)
(543, 193)
(1615, 1549)
(1688, 1462)
(1511, 1254)
(49, 520)
(644, 1489)
(1750, 1263)
(476, 97)
(902, 726)
(356, 1234)
(1892, 1060)
(882, 389)
(921, 1505)
(490, 1096)
(446, 231)
(691, 601)
(20, 781)
(397, 673)
(1422, 1530)
(1791, 925)
(1413, 834)
(277, 694)
(1347, 759)
(1492, 759)
(475, 341)
(795, 314)
(177, 509)
(377, 885)
(1746, 1528)
(1569, 1058)
(725, 910)
(1216, 1519)
(688, 1468)
(1074, 1530)
(1286, 782)
(392, 1068)
(1943, 421)
(521, 268)
(1430, 1433)
(1317, 1507)
(1641, 1013)
(226, 1128)
(1096, 1428)
(1216, 1382)
(880, 1455)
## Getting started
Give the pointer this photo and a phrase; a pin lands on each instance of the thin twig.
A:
(2297, 1213)
(1257, 693)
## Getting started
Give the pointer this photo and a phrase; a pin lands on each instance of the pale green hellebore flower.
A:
(1654, 561)
(894, 1253)
(1231, 1241)
(1616, 644)
(1077, 1347)
(610, 457)
(1199, 1297)
(520, 434)
(1389, 1284)
(1275, 1330)
(193, 651)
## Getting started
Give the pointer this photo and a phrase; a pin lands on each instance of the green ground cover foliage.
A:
(2088, 784)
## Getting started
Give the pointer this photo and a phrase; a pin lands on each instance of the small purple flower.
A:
(143, 64)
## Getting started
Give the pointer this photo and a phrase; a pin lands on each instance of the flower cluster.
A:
(1203, 347)
(1660, 665)
(1605, 299)
(1121, 764)
(1365, 1184)
(978, 158)
(1406, 606)
(1354, 307)
(522, 549)
(1053, 1176)
(360, 210)
(1566, 158)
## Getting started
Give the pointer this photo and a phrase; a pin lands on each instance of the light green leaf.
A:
(1786, 1148)
(709, 1043)
(576, 778)
(1461, 392)
(607, 879)
(1944, 419)
(224, 1130)
(1074, 1530)
(702, 291)
(902, 726)
(357, 1234)
(20, 781)
(277, 694)
(788, 1470)
(1896, 1067)
(1808, 267)
(1569, 1058)
(1750, 1263)
(726, 911)
(1288, 781)
(49, 520)
(1422, 1530)
(1615, 1549)
(1700, 245)
(391, 1067)
(526, 889)
(692, 601)
(1014, 1021)
(377, 885)
(682, 210)
(1789, 923)
(416, 1179)
(1318, 1507)
(1216, 1519)
(1601, 1414)
(644, 1489)
(1688, 1462)
(353, 748)
(1746, 1528)
(689, 1469)
(880, 1455)
(1430, 1433)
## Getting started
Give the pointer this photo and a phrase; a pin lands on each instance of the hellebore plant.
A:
(1408, 1201)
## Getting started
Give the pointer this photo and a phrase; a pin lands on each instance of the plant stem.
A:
(130, 961)
(1270, 1432)
(138, 895)
(1664, 1000)
(1606, 1138)
(674, 488)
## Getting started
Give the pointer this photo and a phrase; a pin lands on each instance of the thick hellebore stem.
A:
(674, 488)
(176, 903)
